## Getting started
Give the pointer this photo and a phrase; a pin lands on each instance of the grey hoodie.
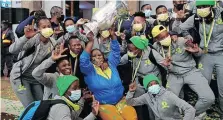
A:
(182, 61)
(146, 67)
(47, 79)
(64, 112)
(21, 46)
(165, 105)
(216, 41)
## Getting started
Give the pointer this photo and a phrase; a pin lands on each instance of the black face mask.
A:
(61, 18)
(54, 25)
(179, 6)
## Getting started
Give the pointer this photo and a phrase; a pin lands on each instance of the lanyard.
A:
(169, 51)
(207, 40)
(134, 75)
(75, 66)
(119, 25)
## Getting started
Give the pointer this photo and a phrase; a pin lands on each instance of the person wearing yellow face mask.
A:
(140, 26)
(144, 61)
(163, 18)
(211, 32)
(33, 48)
(183, 69)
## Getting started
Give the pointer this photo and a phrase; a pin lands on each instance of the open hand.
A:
(29, 30)
(57, 53)
(166, 62)
(95, 106)
(193, 49)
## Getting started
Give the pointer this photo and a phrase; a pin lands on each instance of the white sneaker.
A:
(201, 116)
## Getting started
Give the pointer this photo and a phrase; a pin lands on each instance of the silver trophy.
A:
(105, 17)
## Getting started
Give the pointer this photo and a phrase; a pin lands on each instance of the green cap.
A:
(205, 2)
(64, 82)
(149, 78)
(140, 42)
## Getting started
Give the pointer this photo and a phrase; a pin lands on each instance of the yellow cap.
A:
(157, 30)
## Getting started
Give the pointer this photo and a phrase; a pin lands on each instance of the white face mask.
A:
(147, 13)
(154, 89)
(75, 95)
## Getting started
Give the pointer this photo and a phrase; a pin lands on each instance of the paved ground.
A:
(11, 107)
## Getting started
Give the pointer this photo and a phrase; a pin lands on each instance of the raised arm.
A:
(141, 100)
(47, 79)
(180, 27)
(25, 42)
(114, 55)
(20, 28)
(85, 63)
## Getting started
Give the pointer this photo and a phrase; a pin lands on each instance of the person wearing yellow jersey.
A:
(7, 38)
(183, 70)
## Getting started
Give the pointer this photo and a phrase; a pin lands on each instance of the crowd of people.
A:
(137, 69)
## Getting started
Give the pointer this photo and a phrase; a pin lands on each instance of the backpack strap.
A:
(163, 72)
(43, 110)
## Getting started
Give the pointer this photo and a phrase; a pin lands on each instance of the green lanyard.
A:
(119, 25)
(134, 75)
(207, 40)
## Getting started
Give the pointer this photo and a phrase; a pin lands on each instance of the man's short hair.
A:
(139, 14)
(160, 6)
(56, 10)
(41, 18)
(144, 6)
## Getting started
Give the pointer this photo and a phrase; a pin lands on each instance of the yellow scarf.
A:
(73, 54)
(74, 106)
(106, 73)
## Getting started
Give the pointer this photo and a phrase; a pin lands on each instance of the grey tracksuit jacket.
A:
(183, 71)
(64, 112)
(216, 41)
(214, 56)
(21, 46)
(146, 67)
(165, 105)
(183, 61)
(47, 79)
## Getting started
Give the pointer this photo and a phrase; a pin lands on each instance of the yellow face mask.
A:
(46, 32)
(105, 34)
(166, 42)
(131, 54)
(162, 17)
(204, 12)
(137, 27)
